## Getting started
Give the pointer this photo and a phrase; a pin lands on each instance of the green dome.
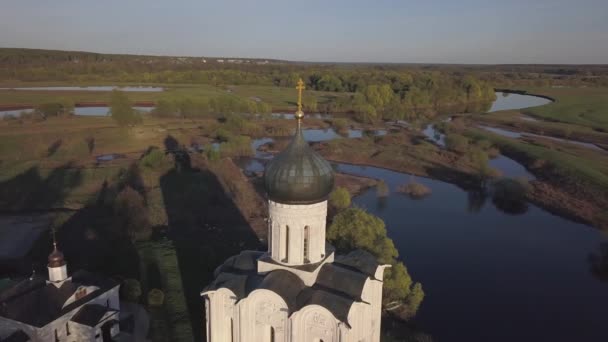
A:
(298, 175)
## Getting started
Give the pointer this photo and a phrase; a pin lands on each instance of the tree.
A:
(132, 214)
(353, 228)
(340, 198)
(122, 110)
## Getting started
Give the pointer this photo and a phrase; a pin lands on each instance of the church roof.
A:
(338, 286)
(17, 336)
(91, 314)
(35, 302)
(285, 284)
(298, 175)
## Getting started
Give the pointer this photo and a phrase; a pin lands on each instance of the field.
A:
(577, 113)
(279, 98)
(587, 107)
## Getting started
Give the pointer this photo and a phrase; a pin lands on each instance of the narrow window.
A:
(67, 328)
(287, 244)
(306, 244)
(107, 303)
(56, 336)
(270, 236)
(271, 334)
(231, 330)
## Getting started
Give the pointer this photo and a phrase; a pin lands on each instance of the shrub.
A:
(132, 214)
(414, 190)
(121, 110)
(340, 125)
(457, 143)
(212, 153)
(382, 189)
(156, 297)
(340, 198)
(131, 290)
(153, 159)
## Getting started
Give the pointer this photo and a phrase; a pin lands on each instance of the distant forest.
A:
(374, 90)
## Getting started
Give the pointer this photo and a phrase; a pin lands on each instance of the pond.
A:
(83, 111)
(104, 111)
(91, 88)
(507, 101)
(518, 135)
(489, 275)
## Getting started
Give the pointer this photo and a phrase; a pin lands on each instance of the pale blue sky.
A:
(432, 31)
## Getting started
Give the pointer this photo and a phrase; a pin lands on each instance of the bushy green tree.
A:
(340, 198)
(122, 110)
(353, 228)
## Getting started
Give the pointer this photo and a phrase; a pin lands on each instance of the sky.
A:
(431, 31)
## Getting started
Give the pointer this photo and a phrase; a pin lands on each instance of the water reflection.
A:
(599, 263)
(476, 199)
(91, 88)
(506, 101)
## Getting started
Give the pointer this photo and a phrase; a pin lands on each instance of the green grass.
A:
(574, 164)
(586, 107)
(276, 96)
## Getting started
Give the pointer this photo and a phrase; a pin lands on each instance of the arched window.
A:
(231, 330)
(271, 334)
(306, 244)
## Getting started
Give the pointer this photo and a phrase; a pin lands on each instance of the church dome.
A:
(56, 258)
(298, 175)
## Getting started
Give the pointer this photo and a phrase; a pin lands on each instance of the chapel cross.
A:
(300, 87)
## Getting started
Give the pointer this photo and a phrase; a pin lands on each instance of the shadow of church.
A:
(204, 223)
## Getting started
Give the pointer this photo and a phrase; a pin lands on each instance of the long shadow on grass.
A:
(205, 225)
(32, 191)
(91, 238)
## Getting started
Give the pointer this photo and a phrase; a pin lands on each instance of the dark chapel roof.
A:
(35, 302)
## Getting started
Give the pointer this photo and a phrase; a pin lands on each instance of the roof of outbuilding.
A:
(35, 302)
(90, 314)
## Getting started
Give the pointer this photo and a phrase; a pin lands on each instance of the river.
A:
(488, 275)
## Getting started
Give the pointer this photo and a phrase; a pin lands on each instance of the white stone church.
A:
(299, 290)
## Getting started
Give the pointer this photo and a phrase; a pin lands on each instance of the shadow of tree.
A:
(31, 191)
(54, 147)
(91, 238)
(205, 225)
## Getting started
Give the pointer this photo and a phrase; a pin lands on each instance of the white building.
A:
(299, 290)
(83, 307)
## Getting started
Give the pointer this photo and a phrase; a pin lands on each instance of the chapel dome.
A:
(56, 258)
(298, 175)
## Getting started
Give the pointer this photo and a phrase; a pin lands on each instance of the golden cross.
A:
(300, 87)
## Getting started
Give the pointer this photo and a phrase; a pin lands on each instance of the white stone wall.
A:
(58, 274)
(289, 225)
(314, 323)
(263, 312)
